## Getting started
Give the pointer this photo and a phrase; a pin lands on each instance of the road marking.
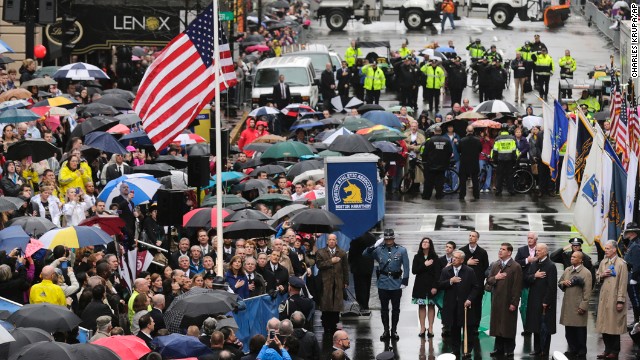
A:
(535, 222)
(482, 222)
(429, 223)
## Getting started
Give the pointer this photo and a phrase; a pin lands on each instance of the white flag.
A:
(631, 187)
(548, 117)
(568, 182)
(605, 196)
(586, 214)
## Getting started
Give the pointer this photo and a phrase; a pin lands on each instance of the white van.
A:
(298, 74)
(319, 55)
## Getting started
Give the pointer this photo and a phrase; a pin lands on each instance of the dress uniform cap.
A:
(632, 227)
(296, 282)
(387, 355)
(576, 241)
(389, 234)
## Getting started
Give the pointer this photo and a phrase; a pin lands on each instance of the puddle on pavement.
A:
(557, 222)
(511, 222)
(455, 222)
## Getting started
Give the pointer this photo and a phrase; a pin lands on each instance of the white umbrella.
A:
(620, 4)
(5, 337)
(314, 175)
(144, 186)
(354, 102)
(530, 121)
(179, 180)
(80, 71)
(332, 137)
(495, 106)
(337, 103)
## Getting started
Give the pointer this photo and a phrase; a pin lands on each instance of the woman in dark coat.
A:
(13, 284)
(11, 182)
(427, 269)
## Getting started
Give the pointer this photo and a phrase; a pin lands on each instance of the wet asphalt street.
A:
(498, 219)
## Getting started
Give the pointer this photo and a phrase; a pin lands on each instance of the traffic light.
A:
(124, 67)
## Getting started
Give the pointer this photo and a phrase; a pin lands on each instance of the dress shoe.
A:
(509, 355)
(525, 333)
(445, 333)
(422, 334)
(496, 353)
(535, 353)
(569, 355)
(430, 335)
(395, 336)
(384, 336)
(602, 356)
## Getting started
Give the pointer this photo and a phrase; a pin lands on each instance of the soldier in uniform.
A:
(296, 301)
(563, 257)
(393, 276)
(631, 246)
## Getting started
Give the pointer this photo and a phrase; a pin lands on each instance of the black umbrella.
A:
(128, 119)
(96, 123)
(369, 107)
(279, 4)
(304, 166)
(459, 126)
(200, 149)
(259, 147)
(38, 149)
(104, 141)
(254, 37)
(198, 302)
(33, 225)
(24, 336)
(248, 229)
(262, 185)
(114, 100)
(351, 144)
(315, 221)
(93, 352)
(156, 170)
(6, 60)
(97, 109)
(8, 203)
(125, 94)
(247, 214)
(177, 162)
(331, 121)
(387, 147)
(276, 26)
(45, 350)
(45, 316)
(269, 169)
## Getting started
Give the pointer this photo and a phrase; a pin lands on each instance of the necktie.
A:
(455, 270)
(283, 93)
(333, 251)
(274, 268)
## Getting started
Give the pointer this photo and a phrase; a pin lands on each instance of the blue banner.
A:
(354, 193)
(253, 320)
(617, 200)
(560, 131)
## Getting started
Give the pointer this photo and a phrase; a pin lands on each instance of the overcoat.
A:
(426, 276)
(575, 296)
(455, 295)
(334, 277)
(612, 290)
(542, 291)
(504, 293)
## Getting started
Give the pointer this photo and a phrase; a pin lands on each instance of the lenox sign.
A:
(149, 23)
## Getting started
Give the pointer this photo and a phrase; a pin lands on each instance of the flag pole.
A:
(216, 68)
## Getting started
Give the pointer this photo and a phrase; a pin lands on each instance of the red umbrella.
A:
(294, 109)
(119, 129)
(204, 218)
(259, 47)
(110, 224)
(52, 122)
(41, 110)
(128, 347)
(486, 123)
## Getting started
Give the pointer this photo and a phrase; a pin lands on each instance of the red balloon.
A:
(40, 51)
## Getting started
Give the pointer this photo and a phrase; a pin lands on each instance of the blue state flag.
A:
(560, 131)
(617, 200)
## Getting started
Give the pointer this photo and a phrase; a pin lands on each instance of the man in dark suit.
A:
(146, 327)
(96, 308)
(327, 86)
(281, 93)
(542, 302)
(276, 275)
(446, 259)
(525, 256)
(156, 313)
(344, 79)
(361, 267)
(183, 249)
(257, 284)
(469, 149)
(126, 208)
(461, 288)
(478, 260)
(118, 169)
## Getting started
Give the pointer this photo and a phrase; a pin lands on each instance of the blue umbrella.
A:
(144, 186)
(14, 104)
(4, 47)
(139, 137)
(18, 115)
(178, 346)
(104, 141)
(383, 118)
(306, 115)
(445, 49)
(13, 237)
(307, 123)
(226, 177)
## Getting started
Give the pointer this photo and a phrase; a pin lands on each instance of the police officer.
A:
(393, 276)
(529, 56)
(537, 45)
(352, 53)
(505, 152)
(567, 67)
(632, 257)
(457, 80)
(586, 99)
(563, 257)
(407, 81)
(404, 51)
(476, 50)
(435, 77)
(543, 70)
(435, 157)
(296, 301)
(493, 54)
(482, 68)
(374, 82)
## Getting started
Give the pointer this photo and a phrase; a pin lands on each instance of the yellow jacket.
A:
(435, 76)
(73, 179)
(30, 173)
(404, 51)
(47, 292)
(374, 79)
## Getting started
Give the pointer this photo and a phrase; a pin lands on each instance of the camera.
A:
(272, 334)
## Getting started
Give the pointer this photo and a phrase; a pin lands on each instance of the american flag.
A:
(634, 124)
(182, 80)
(618, 116)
